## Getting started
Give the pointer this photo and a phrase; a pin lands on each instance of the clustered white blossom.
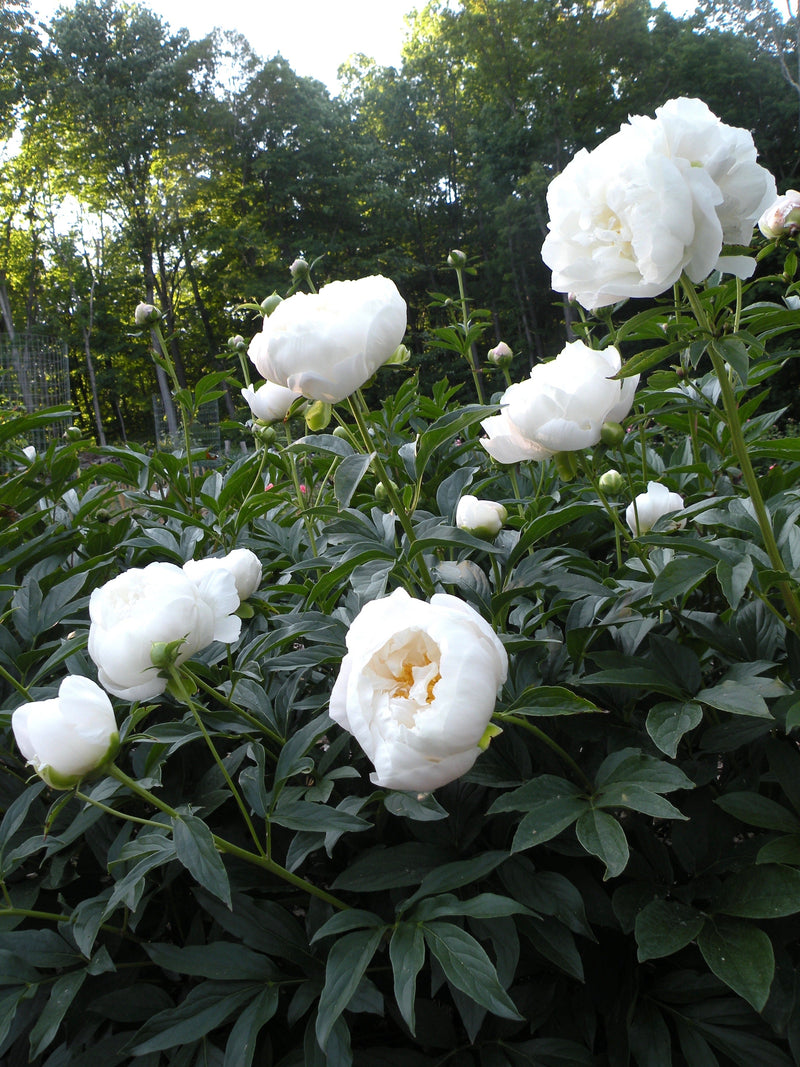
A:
(660, 197)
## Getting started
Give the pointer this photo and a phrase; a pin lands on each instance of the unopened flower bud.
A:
(399, 357)
(612, 434)
(381, 492)
(457, 258)
(501, 355)
(299, 269)
(146, 315)
(481, 518)
(73, 433)
(164, 654)
(318, 415)
(782, 218)
(269, 304)
(237, 343)
(612, 482)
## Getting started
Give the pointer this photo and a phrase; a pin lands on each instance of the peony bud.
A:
(457, 259)
(782, 218)
(612, 482)
(501, 355)
(269, 303)
(146, 315)
(481, 518)
(299, 269)
(612, 434)
(237, 343)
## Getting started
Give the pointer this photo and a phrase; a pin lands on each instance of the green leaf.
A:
(409, 806)
(195, 848)
(61, 996)
(679, 577)
(667, 723)
(630, 766)
(241, 1045)
(602, 836)
(767, 891)
(741, 956)
(407, 955)
(734, 352)
(756, 810)
(733, 578)
(468, 968)
(348, 959)
(457, 874)
(735, 698)
(308, 815)
(637, 798)
(344, 921)
(483, 906)
(546, 820)
(447, 427)
(664, 927)
(204, 1008)
(549, 700)
(218, 959)
(348, 476)
(388, 868)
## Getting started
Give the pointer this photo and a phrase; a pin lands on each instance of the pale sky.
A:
(314, 36)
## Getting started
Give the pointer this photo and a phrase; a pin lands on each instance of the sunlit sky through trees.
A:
(315, 36)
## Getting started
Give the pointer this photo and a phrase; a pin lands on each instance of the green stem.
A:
(228, 703)
(264, 862)
(178, 687)
(467, 346)
(515, 720)
(740, 448)
(391, 493)
(12, 681)
(298, 493)
(186, 421)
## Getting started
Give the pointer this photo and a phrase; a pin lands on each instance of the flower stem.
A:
(467, 346)
(515, 720)
(298, 492)
(392, 494)
(222, 845)
(179, 688)
(740, 448)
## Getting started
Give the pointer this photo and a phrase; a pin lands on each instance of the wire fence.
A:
(34, 375)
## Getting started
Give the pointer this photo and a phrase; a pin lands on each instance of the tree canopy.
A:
(140, 164)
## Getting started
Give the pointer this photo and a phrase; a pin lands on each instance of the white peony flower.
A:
(269, 402)
(159, 603)
(657, 198)
(70, 735)
(417, 688)
(244, 565)
(326, 345)
(562, 406)
(650, 506)
(483, 518)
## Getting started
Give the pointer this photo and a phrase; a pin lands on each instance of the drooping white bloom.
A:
(68, 736)
(483, 518)
(561, 407)
(650, 506)
(417, 688)
(244, 565)
(159, 603)
(657, 198)
(326, 345)
(269, 402)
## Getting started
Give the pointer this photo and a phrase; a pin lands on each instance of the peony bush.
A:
(457, 730)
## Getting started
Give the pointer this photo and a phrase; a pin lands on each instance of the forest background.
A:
(139, 164)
